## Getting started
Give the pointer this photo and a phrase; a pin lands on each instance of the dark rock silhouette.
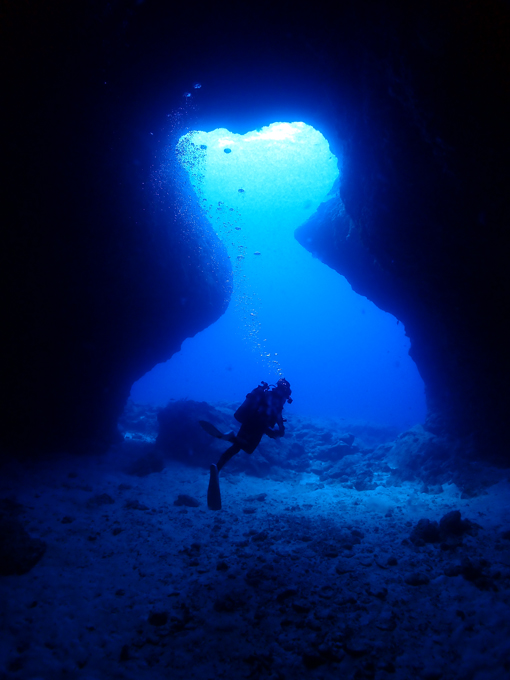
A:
(180, 436)
(109, 264)
(19, 552)
(417, 223)
(102, 272)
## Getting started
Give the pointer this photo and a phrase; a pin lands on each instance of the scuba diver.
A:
(260, 412)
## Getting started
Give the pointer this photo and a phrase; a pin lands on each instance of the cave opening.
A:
(289, 315)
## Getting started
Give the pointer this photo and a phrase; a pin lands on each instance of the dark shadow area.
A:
(102, 272)
(339, 550)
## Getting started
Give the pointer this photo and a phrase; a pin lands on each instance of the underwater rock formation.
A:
(109, 264)
(181, 438)
(19, 552)
(97, 289)
(354, 455)
(107, 286)
(417, 225)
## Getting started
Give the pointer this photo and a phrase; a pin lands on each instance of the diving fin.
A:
(210, 429)
(213, 492)
(214, 432)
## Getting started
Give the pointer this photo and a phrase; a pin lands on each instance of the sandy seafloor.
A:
(293, 578)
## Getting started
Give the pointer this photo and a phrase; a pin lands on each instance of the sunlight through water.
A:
(290, 315)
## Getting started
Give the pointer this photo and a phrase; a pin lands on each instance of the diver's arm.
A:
(280, 432)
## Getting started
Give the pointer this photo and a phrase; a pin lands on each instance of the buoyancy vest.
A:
(256, 406)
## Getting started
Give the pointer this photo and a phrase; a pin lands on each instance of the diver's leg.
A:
(213, 491)
(227, 455)
(214, 432)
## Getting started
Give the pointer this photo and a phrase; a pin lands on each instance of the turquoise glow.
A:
(290, 314)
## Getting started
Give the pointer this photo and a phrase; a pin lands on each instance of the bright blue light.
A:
(289, 314)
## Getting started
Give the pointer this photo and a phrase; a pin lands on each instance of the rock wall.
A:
(107, 265)
(98, 288)
(418, 225)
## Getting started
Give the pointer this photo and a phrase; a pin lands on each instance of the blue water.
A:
(290, 315)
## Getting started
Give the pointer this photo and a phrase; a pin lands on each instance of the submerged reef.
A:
(349, 565)
(354, 454)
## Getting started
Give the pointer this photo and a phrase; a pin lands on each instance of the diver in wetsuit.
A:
(259, 414)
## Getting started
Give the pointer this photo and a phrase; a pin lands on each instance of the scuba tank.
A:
(254, 407)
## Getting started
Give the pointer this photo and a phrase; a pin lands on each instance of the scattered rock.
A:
(364, 485)
(315, 486)
(258, 497)
(256, 576)
(425, 532)
(357, 648)
(230, 602)
(188, 501)
(313, 660)
(451, 524)
(179, 436)
(307, 542)
(376, 589)
(476, 572)
(10, 506)
(387, 620)
(326, 592)
(347, 438)
(433, 490)
(452, 570)
(344, 567)
(417, 579)
(365, 561)
(134, 504)
(330, 551)
(19, 552)
(448, 532)
(146, 465)
(193, 550)
(99, 500)
(285, 594)
(301, 606)
(15, 665)
(158, 618)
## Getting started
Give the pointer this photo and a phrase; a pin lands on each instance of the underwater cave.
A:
(288, 314)
(199, 199)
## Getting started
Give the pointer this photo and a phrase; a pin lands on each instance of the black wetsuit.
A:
(261, 411)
